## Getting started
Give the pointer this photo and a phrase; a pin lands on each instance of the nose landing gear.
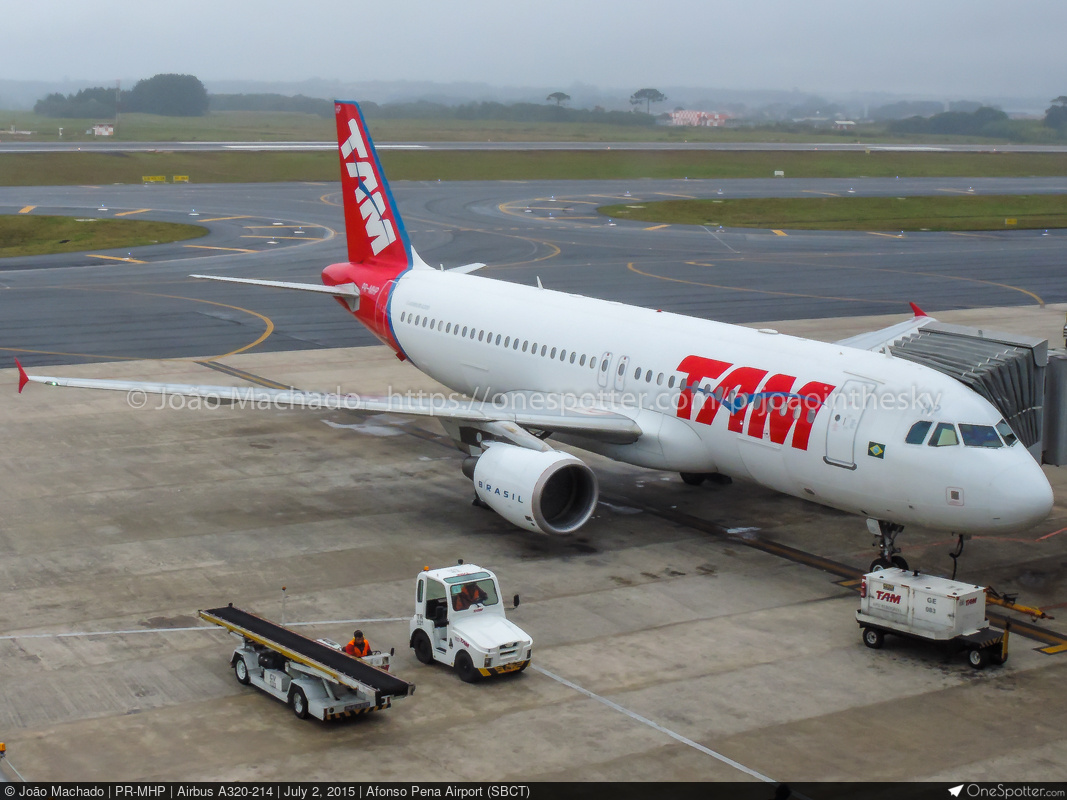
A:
(886, 533)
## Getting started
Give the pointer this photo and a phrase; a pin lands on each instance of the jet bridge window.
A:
(944, 435)
(917, 434)
(979, 435)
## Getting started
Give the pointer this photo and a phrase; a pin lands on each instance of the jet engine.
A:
(539, 490)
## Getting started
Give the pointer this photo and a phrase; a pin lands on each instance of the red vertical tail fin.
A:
(373, 225)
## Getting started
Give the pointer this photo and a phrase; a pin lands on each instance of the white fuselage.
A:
(831, 427)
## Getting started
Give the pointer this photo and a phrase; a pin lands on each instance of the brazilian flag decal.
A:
(875, 449)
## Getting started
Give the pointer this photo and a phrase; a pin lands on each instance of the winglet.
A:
(23, 377)
(918, 311)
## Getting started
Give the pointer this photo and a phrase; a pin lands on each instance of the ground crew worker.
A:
(358, 647)
(471, 594)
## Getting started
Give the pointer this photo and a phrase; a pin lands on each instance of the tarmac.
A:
(685, 634)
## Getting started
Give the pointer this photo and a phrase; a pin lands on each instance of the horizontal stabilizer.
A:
(348, 291)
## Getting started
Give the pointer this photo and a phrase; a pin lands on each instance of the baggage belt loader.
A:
(315, 678)
(908, 604)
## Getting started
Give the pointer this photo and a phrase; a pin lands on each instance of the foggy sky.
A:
(938, 48)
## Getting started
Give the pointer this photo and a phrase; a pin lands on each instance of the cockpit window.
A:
(979, 435)
(918, 432)
(1004, 429)
(944, 435)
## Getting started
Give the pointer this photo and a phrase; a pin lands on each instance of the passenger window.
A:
(944, 435)
(573, 354)
(417, 318)
(979, 435)
(592, 363)
(523, 345)
(498, 340)
(1004, 429)
(448, 328)
(464, 331)
(544, 349)
(424, 321)
(581, 361)
(553, 353)
(917, 434)
(480, 335)
(637, 374)
(433, 324)
(507, 342)
(670, 382)
(622, 368)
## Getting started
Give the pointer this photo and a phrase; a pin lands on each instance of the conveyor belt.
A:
(308, 652)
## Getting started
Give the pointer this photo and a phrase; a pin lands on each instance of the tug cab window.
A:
(979, 435)
(944, 435)
(917, 434)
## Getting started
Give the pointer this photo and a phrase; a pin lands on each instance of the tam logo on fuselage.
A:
(372, 207)
(777, 409)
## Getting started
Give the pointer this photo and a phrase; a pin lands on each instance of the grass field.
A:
(81, 168)
(956, 213)
(29, 235)
(222, 126)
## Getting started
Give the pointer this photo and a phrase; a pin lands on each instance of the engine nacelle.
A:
(547, 491)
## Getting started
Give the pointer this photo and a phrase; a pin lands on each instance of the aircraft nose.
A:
(1025, 493)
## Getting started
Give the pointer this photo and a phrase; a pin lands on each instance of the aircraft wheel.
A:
(873, 638)
(240, 670)
(977, 658)
(298, 700)
(693, 478)
(465, 668)
(879, 564)
(420, 643)
(899, 561)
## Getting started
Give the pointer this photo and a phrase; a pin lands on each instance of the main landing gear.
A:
(887, 535)
(697, 478)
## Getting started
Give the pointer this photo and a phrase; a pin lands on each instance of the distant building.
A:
(103, 130)
(844, 124)
(699, 119)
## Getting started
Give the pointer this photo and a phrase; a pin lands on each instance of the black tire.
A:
(420, 643)
(978, 658)
(298, 700)
(900, 562)
(465, 668)
(873, 638)
(693, 478)
(879, 564)
(240, 670)
(998, 658)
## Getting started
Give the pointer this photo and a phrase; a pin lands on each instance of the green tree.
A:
(169, 95)
(1056, 114)
(559, 97)
(648, 97)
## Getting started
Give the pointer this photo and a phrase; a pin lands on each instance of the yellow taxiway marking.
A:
(957, 191)
(231, 249)
(222, 219)
(1051, 651)
(972, 235)
(118, 258)
(27, 209)
(127, 213)
(778, 232)
(671, 194)
(658, 227)
(298, 238)
(827, 194)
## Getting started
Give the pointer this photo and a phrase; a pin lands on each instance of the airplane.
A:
(843, 424)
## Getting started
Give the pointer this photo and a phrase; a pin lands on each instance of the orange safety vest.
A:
(353, 650)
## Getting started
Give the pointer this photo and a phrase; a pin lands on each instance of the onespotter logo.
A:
(380, 231)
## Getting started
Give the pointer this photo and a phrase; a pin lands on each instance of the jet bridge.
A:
(1017, 374)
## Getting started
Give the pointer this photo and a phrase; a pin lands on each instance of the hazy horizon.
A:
(949, 50)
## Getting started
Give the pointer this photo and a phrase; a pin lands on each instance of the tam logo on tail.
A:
(371, 223)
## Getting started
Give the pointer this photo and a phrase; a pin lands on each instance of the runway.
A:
(69, 308)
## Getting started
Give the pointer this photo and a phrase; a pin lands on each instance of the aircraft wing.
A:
(877, 340)
(551, 413)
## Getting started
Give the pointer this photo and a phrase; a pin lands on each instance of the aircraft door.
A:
(620, 373)
(850, 403)
(603, 370)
